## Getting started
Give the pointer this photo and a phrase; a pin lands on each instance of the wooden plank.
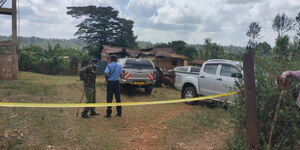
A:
(14, 21)
(250, 94)
(6, 11)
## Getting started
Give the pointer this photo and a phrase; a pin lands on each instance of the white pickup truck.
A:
(216, 76)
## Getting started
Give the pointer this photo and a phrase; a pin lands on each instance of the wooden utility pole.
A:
(250, 94)
(9, 61)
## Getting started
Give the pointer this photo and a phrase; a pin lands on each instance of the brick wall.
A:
(8, 67)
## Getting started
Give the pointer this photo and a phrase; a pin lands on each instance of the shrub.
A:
(286, 131)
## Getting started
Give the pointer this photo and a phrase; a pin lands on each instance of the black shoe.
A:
(107, 116)
(119, 115)
(94, 114)
(84, 115)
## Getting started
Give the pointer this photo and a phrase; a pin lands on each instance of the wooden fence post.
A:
(250, 94)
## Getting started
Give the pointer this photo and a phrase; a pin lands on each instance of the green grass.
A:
(193, 125)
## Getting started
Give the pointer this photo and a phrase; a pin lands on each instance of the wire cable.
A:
(2, 2)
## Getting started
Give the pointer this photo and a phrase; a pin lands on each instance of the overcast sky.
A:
(225, 21)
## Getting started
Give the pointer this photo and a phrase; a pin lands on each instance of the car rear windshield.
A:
(138, 64)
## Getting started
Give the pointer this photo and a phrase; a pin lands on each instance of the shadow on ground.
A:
(130, 91)
(212, 104)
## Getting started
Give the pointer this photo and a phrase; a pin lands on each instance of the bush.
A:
(286, 131)
(54, 60)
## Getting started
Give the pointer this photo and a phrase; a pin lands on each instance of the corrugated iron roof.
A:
(167, 52)
(113, 49)
(157, 52)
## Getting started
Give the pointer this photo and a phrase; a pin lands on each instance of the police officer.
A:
(88, 76)
(113, 71)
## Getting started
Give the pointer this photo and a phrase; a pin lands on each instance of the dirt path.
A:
(142, 137)
(209, 141)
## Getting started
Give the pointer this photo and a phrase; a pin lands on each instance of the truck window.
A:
(195, 69)
(211, 68)
(181, 69)
(228, 70)
(138, 64)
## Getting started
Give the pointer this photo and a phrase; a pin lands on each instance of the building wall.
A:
(167, 63)
(9, 67)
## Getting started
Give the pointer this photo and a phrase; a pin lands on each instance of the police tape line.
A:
(59, 105)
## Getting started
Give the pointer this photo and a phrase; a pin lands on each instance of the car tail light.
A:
(126, 75)
(154, 74)
(151, 76)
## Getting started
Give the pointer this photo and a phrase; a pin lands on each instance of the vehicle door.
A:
(225, 82)
(207, 79)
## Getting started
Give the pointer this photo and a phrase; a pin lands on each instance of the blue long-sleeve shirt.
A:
(113, 71)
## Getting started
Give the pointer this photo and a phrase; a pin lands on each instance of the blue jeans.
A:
(113, 87)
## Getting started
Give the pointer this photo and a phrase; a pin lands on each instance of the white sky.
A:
(225, 21)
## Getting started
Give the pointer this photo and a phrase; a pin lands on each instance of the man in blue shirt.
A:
(113, 72)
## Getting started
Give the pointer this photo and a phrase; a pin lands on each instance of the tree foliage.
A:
(102, 26)
(263, 48)
(269, 95)
(183, 48)
(282, 24)
(286, 131)
(297, 24)
(189, 51)
(178, 46)
(281, 48)
(254, 36)
(53, 60)
(211, 50)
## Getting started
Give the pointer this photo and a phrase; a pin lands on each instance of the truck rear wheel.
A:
(189, 92)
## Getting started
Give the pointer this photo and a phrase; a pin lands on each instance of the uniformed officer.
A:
(113, 71)
(88, 76)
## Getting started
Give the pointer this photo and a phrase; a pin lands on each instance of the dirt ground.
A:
(155, 127)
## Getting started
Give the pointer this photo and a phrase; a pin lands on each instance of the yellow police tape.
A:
(57, 105)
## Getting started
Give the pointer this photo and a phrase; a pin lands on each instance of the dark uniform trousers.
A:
(113, 87)
(90, 94)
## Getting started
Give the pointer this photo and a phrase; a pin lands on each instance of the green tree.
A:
(162, 45)
(281, 48)
(189, 51)
(297, 24)
(102, 26)
(125, 37)
(178, 46)
(29, 58)
(254, 36)
(53, 60)
(263, 48)
(144, 44)
(282, 24)
(211, 50)
(286, 129)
